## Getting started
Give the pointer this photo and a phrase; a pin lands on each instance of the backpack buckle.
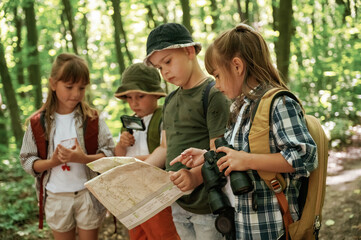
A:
(276, 186)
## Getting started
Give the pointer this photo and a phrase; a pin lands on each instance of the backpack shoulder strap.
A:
(170, 95)
(38, 127)
(153, 131)
(205, 97)
(259, 132)
(91, 131)
(259, 143)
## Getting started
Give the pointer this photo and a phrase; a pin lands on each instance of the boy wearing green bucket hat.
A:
(141, 89)
(186, 123)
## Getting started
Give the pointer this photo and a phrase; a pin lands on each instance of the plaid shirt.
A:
(290, 137)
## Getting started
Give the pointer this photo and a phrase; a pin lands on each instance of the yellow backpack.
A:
(313, 190)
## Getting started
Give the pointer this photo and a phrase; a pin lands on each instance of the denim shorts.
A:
(191, 226)
(65, 211)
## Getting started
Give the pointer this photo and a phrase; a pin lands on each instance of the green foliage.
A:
(325, 68)
(18, 204)
(324, 63)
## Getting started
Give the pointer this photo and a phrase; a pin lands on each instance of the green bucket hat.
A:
(169, 36)
(140, 78)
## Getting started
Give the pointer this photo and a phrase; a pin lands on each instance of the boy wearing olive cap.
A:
(171, 49)
(141, 89)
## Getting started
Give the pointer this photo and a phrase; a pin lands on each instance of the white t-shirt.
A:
(60, 180)
(141, 146)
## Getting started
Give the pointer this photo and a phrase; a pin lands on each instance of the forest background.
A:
(315, 44)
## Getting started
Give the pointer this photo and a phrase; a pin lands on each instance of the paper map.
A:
(132, 190)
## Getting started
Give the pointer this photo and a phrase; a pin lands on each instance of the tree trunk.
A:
(69, 16)
(129, 55)
(4, 140)
(32, 38)
(214, 14)
(186, 15)
(118, 47)
(12, 104)
(283, 23)
(62, 30)
(163, 14)
(19, 68)
(150, 17)
(243, 15)
(84, 27)
(246, 14)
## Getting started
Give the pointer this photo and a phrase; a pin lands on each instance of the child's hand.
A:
(183, 179)
(74, 154)
(192, 157)
(55, 159)
(126, 140)
(233, 161)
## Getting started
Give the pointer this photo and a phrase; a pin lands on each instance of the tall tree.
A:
(4, 140)
(32, 40)
(10, 95)
(162, 13)
(152, 23)
(186, 15)
(282, 23)
(125, 39)
(243, 14)
(84, 30)
(116, 19)
(19, 69)
(69, 16)
(214, 14)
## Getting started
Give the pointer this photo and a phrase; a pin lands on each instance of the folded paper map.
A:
(132, 190)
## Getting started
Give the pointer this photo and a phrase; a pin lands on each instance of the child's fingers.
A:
(228, 171)
(222, 160)
(175, 160)
(178, 180)
(223, 163)
(183, 158)
(223, 149)
(127, 139)
(174, 176)
(76, 145)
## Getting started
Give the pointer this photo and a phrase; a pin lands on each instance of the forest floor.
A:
(342, 207)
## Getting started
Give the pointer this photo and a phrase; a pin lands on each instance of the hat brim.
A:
(123, 94)
(197, 46)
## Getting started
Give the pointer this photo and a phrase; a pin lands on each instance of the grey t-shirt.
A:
(186, 126)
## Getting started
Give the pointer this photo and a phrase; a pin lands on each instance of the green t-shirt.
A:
(186, 126)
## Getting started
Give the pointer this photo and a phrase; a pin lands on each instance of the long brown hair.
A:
(67, 67)
(247, 44)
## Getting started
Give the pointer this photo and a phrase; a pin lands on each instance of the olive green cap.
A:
(140, 78)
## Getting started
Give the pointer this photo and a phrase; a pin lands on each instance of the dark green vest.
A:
(153, 130)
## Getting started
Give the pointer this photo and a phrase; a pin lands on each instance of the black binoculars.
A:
(214, 181)
(240, 181)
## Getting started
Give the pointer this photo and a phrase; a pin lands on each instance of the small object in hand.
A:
(68, 143)
(65, 167)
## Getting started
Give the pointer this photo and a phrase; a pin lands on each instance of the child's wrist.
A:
(249, 162)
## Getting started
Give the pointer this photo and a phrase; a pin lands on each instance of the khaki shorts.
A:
(65, 211)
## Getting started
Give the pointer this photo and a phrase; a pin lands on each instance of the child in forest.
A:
(171, 49)
(240, 61)
(63, 136)
(141, 89)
